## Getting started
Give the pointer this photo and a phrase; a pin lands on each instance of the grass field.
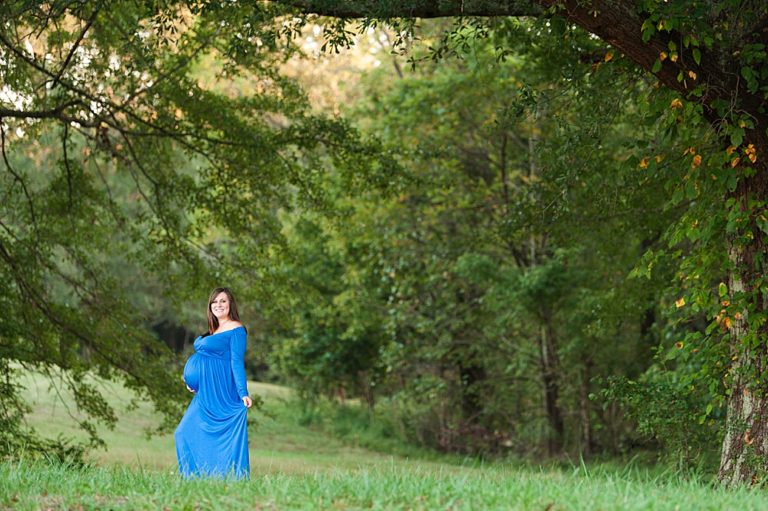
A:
(294, 467)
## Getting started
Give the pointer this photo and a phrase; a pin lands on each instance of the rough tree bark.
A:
(745, 445)
(745, 449)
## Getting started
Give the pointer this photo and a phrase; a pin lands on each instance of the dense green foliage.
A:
(710, 59)
(492, 293)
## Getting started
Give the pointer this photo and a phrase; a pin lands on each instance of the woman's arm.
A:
(237, 354)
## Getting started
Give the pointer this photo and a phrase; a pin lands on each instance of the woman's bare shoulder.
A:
(234, 325)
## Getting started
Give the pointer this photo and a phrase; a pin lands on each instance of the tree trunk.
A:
(549, 364)
(471, 374)
(586, 422)
(744, 457)
(364, 378)
(548, 360)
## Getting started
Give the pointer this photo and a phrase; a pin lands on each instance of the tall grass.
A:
(323, 463)
(36, 485)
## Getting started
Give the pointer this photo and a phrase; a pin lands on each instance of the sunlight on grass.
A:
(277, 442)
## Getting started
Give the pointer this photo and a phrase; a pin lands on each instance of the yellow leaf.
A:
(692, 75)
(751, 152)
(679, 345)
(609, 56)
(676, 103)
(663, 56)
(730, 149)
(658, 158)
(679, 303)
(644, 163)
(696, 161)
(673, 56)
(735, 162)
(727, 323)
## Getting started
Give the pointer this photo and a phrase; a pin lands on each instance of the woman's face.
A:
(220, 306)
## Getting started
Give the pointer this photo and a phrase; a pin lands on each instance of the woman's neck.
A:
(223, 323)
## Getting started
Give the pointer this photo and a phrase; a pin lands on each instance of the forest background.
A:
(504, 236)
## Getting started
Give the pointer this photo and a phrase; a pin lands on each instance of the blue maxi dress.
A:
(212, 437)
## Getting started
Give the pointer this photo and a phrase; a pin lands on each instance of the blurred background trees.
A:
(501, 270)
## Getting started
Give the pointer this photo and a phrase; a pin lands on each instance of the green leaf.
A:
(656, 66)
(690, 190)
(737, 136)
(648, 29)
(697, 56)
(762, 223)
(722, 289)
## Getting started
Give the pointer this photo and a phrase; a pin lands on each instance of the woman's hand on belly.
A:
(191, 375)
(185, 384)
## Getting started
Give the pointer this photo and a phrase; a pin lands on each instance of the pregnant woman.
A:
(212, 437)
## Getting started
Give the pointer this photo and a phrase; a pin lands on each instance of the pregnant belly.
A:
(192, 372)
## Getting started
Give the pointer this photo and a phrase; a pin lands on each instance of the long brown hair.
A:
(213, 321)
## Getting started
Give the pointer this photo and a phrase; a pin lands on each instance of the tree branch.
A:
(53, 113)
(409, 9)
(30, 203)
(617, 22)
(76, 44)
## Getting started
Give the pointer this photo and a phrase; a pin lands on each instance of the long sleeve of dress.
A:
(237, 350)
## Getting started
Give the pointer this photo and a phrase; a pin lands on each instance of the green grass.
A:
(391, 485)
(296, 467)
(277, 444)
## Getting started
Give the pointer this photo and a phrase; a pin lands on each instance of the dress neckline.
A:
(225, 331)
